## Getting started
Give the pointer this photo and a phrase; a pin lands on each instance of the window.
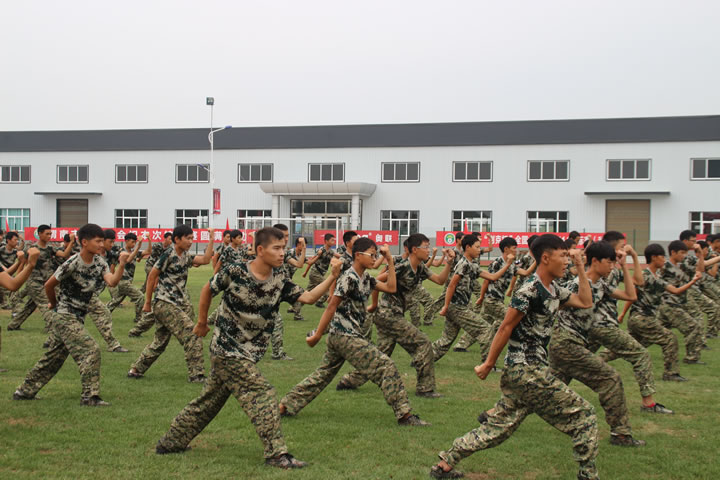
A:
(254, 219)
(131, 173)
(16, 218)
(628, 169)
(404, 221)
(191, 173)
(255, 172)
(131, 218)
(705, 222)
(193, 218)
(400, 172)
(704, 168)
(472, 171)
(15, 174)
(473, 220)
(72, 174)
(548, 171)
(326, 172)
(547, 222)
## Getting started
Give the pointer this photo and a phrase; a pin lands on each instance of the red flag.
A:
(7, 227)
(227, 224)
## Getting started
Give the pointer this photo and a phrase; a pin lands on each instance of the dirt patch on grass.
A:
(23, 422)
(652, 427)
(46, 451)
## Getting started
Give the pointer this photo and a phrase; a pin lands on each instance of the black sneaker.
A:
(119, 349)
(413, 421)
(483, 417)
(437, 472)
(694, 362)
(18, 395)
(320, 305)
(10, 329)
(197, 378)
(674, 377)
(625, 441)
(133, 334)
(160, 450)
(344, 386)
(657, 408)
(285, 461)
(430, 394)
(94, 401)
(459, 349)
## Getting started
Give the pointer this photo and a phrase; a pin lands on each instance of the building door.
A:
(72, 212)
(632, 217)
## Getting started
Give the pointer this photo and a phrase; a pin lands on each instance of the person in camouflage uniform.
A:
(525, 261)
(568, 349)
(78, 280)
(154, 252)
(231, 253)
(170, 308)
(9, 263)
(456, 310)
(317, 266)
(440, 301)
(527, 384)
(221, 248)
(296, 254)
(41, 273)
(390, 318)
(708, 286)
(251, 292)
(699, 302)
(126, 288)
(345, 316)
(420, 297)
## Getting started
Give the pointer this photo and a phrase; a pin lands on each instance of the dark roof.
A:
(533, 132)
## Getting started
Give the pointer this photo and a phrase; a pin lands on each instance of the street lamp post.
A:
(211, 171)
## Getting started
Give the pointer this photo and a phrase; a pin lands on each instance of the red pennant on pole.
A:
(7, 227)
(227, 224)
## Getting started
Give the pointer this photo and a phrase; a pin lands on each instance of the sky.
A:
(80, 64)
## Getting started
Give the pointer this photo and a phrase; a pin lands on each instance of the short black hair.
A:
(546, 243)
(10, 235)
(600, 250)
(687, 234)
(570, 243)
(66, 237)
(531, 239)
(712, 237)
(363, 244)
(167, 234)
(90, 231)
(613, 236)
(468, 239)
(405, 243)
(130, 236)
(42, 228)
(703, 244)
(328, 236)
(226, 232)
(235, 233)
(677, 246)
(415, 240)
(348, 236)
(109, 234)
(459, 235)
(574, 234)
(653, 250)
(297, 240)
(181, 231)
(266, 235)
(282, 227)
(506, 243)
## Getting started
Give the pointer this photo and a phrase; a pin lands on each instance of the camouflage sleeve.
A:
(373, 283)
(563, 294)
(64, 270)
(291, 292)
(162, 262)
(521, 299)
(494, 266)
(220, 281)
(343, 286)
(423, 272)
(463, 268)
(661, 282)
(104, 265)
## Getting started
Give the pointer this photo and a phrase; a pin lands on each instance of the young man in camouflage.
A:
(457, 311)
(9, 263)
(345, 316)
(78, 280)
(12, 284)
(568, 349)
(494, 301)
(296, 253)
(221, 248)
(527, 384)
(699, 302)
(154, 252)
(526, 262)
(420, 297)
(251, 292)
(171, 310)
(440, 301)
(126, 288)
(231, 253)
(318, 265)
(41, 273)
(390, 320)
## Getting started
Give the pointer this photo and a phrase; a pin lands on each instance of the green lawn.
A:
(341, 434)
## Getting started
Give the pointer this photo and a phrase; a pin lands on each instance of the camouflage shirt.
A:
(129, 272)
(354, 292)
(674, 276)
(323, 261)
(468, 272)
(525, 261)
(498, 288)
(575, 323)
(231, 255)
(156, 251)
(569, 276)
(606, 308)
(288, 268)
(689, 266)
(45, 265)
(529, 339)
(79, 282)
(245, 321)
(7, 259)
(453, 262)
(407, 281)
(342, 249)
(650, 294)
(173, 276)
(346, 259)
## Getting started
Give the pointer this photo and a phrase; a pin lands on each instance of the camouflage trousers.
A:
(16, 297)
(570, 360)
(68, 337)
(698, 304)
(394, 329)
(147, 320)
(36, 299)
(455, 319)
(173, 320)
(276, 338)
(434, 308)
(691, 328)
(530, 389)
(493, 312)
(362, 355)
(419, 297)
(315, 279)
(242, 379)
(5, 295)
(126, 289)
(649, 331)
(619, 344)
(102, 318)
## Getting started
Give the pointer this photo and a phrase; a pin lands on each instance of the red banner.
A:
(447, 238)
(216, 201)
(153, 234)
(381, 237)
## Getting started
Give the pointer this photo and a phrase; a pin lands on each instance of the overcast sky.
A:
(150, 64)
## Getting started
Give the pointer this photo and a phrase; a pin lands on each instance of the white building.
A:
(649, 177)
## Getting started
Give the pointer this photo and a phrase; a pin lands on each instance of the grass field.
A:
(341, 434)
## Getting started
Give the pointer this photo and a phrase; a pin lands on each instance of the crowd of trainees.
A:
(563, 302)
